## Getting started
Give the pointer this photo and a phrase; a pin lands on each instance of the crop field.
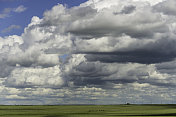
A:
(89, 111)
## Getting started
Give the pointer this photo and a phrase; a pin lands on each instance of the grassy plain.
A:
(89, 111)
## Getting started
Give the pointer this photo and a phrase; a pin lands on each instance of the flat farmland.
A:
(89, 111)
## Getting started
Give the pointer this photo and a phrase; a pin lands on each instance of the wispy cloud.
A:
(20, 9)
(3, 16)
(10, 28)
(6, 11)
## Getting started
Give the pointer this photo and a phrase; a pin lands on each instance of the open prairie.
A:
(89, 111)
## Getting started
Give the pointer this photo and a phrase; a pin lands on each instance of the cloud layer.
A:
(102, 52)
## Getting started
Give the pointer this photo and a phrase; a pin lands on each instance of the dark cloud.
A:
(161, 50)
(106, 75)
(167, 67)
(134, 57)
(5, 70)
(126, 10)
(167, 7)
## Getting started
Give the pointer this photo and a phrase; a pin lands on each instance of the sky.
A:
(87, 52)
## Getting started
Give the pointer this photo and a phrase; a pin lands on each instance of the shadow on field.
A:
(55, 116)
(67, 115)
(162, 105)
(20, 109)
(171, 106)
(168, 114)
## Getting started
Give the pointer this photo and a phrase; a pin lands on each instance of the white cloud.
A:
(33, 57)
(31, 77)
(152, 2)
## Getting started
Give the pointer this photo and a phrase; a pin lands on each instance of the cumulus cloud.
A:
(143, 36)
(138, 26)
(9, 45)
(111, 50)
(29, 77)
(33, 57)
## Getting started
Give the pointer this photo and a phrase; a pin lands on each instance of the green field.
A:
(89, 111)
